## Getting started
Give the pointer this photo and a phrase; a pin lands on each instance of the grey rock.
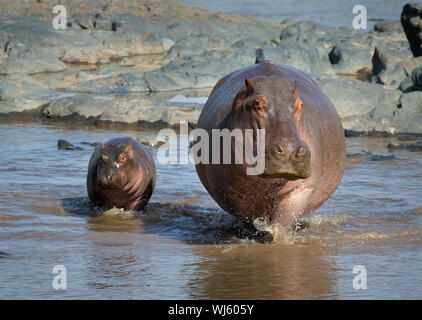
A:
(128, 82)
(21, 92)
(316, 33)
(407, 85)
(198, 71)
(388, 26)
(393, 76)
(260, 55)
(194, 46)
(301, 56)
(304, 31)
(31, 40)
(365, 107)
(84, 23)
(128, 110)
(65, 145)
(167, 44)
(354, 98)
(348, 58)
(31, 63)
(385, 56)
(150, 141)
(417, 77)
(408, 116)
(251, 43)
(286, 22)
(392, 66)
(413, 147)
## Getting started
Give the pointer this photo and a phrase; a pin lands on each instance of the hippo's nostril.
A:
(279, 149)
(301, 152)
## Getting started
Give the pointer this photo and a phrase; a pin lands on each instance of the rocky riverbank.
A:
(129, 62)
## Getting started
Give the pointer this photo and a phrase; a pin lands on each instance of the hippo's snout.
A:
(294, 152)
(289, 159)
(109, 181)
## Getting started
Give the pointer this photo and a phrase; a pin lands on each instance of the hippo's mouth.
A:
(290, 176)
(109, 184)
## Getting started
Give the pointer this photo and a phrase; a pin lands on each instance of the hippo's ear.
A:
(241, 96)
(129, 148)
(260, 105)
(249, 86)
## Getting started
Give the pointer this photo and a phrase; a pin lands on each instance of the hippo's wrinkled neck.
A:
(134, 185)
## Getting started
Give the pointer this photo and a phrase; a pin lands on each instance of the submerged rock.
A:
(65, 145)
(413, 147)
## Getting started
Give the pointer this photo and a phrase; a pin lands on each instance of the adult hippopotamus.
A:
(122, 174)
(304, 144)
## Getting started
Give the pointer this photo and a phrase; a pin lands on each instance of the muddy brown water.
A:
(183, 246)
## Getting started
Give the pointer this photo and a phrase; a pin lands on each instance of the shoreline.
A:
(120, 64)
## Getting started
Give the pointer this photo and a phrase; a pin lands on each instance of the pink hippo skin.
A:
(305, 151)
(122, 174)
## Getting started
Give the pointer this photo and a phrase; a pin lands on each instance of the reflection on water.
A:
(183, 246)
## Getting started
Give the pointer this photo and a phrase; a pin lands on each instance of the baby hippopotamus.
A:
(122, 174)
(305, 151)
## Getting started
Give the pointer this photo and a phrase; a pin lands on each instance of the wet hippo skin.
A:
(122, 174)
(305, 150)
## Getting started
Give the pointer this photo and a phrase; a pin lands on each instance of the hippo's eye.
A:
(122, 158)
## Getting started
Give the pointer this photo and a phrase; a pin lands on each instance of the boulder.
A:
(355, 98)
(407, 85)
(194, 46)
(122, 82)
(388, 26)
(364, 107)
(349, 58)
(417, 78)
(21, 92)
(30, 62)
(301, 56)
(391, 66)
(407, 116)
(129, 110)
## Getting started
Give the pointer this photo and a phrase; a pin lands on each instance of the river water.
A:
(183, 246)
(329, 12)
